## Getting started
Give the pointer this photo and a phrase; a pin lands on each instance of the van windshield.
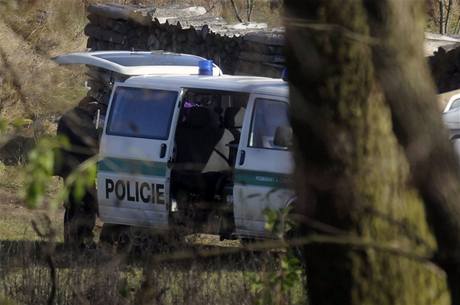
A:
(141, 113)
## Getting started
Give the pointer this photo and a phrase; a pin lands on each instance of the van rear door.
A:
(133, 178)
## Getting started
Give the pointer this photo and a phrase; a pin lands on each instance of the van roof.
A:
(137, 62)
(248, 84)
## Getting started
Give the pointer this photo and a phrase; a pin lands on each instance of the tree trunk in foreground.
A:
(354, 179)
(405, 80)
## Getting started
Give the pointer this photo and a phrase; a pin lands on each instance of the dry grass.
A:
(35, 86)
(113, 282)
(101, 277)
(15, 218)
(32, 85)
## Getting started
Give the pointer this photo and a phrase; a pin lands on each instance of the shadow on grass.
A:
(103, 276)
(20, 253)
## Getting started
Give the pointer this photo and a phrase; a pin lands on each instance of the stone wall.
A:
(244, 49)
(247, 49)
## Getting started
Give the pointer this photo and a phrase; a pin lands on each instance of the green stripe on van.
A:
(131, 166)
(258, 178)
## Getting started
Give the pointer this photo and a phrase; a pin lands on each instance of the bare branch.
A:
(448, 13)
(235, 9)
(441, 16)
(249, 9)
(350, 241)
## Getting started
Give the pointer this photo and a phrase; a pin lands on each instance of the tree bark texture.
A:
(352, 175)
(404, 77)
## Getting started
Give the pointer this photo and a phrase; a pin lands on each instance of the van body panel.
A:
(262, 177)
(133, 199)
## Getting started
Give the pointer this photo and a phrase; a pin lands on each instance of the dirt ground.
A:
(16, 220)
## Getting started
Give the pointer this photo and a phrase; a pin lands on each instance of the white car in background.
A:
(451, 118)
(451, 114)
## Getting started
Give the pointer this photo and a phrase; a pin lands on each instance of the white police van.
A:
(183, 144)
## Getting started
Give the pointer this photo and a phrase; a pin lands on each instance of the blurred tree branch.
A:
(353, 104)
(408, 89)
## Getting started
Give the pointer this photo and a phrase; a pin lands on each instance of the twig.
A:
(328, 27)
(448, 12)
(48, 251)
(441, 16)
(343, 240)
(51, 265)
(249, 8)
(235, 9)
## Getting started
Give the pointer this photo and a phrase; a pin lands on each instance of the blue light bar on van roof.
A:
(205, 67)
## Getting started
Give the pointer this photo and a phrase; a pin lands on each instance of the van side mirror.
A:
(283, 136)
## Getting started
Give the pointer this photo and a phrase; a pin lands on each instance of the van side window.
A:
(268, 115)
(141, 113)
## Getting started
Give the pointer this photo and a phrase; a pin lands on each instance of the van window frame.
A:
(251, 125)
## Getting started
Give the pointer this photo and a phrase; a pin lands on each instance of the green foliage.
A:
(21, 122)
(39, 172)
(274, 287)
(12, 125)
(79, 181)
(278, 221)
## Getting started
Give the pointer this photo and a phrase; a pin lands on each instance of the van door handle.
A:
(163, 150)
(242, 157)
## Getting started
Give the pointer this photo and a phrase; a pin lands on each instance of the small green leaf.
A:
(20, 122)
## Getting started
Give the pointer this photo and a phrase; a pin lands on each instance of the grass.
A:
(16, 223)
(15, 218)
(112, 281)
(36, 31)
(102, 276)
